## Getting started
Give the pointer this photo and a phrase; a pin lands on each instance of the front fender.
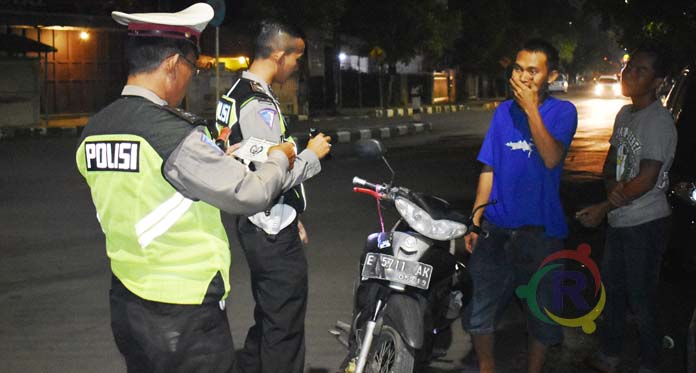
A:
(408, 316)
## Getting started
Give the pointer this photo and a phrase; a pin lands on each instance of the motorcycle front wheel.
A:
(389, 353)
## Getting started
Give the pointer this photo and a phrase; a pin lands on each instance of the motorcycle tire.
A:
(389, 353)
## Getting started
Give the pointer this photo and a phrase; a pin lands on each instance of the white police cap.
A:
(186, 24)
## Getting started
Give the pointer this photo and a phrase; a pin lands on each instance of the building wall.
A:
(19, 92)
(83, 76)
(287, 94)
(201, 98)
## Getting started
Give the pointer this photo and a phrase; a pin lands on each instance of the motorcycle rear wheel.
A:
(389, 353)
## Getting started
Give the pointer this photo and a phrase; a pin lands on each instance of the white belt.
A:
(274, 220)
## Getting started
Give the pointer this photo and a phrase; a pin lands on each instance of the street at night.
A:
(54, 276)
(347, 186)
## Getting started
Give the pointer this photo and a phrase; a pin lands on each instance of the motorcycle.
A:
(411, 288)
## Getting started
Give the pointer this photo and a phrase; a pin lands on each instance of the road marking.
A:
(343, 136)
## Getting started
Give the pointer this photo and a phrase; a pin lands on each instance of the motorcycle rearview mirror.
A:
(369, 149)
(373, 149)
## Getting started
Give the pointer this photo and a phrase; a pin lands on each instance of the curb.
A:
(435, 109)
(339, 136)
(34, 132)
(385, 132)
(345, 117)
(406, 111)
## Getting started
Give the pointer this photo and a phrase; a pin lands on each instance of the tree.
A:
(304, 14)
(484, 36)
(669, 23)
(493, 30)
(594, 43)
(403, 29)
(444, 26)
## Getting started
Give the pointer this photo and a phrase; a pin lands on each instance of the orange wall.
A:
(83, 75)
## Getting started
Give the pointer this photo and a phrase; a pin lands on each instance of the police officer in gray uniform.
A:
(271, 239)
(158, 183)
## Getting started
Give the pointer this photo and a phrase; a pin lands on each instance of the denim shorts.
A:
(501, 262)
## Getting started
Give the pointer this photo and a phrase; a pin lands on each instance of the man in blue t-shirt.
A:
(522, 158)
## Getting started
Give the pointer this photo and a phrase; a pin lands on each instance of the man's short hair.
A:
(543, 46)
(661, 61)
(145, 54)
(274, 36)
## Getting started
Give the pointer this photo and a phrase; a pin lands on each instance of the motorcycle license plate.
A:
(386, 267)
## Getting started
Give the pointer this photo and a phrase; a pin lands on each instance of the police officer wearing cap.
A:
(271, 239)
(158, 183)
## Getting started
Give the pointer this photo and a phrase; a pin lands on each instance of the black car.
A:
(680, 258)
(681, 101)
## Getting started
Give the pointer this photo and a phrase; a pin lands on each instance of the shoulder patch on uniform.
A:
(268, 115)
(226, 111)
(256, 87)
(185, 115)
(208, 141)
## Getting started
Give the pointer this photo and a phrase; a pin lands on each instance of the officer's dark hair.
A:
(145, 54)
(661, 62)
(543, 46)
(275, 36)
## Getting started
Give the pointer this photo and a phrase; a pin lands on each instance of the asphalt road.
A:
(54, 275)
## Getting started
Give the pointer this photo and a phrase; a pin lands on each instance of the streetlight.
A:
(341, 58)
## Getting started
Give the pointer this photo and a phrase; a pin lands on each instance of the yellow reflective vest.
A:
(163, 246)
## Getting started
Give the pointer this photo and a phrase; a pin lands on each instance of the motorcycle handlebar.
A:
(370, 192)
(366, 184)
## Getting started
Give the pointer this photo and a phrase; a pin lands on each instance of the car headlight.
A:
(423, 223)
(598, 90)
(685, 192)
(617, 88)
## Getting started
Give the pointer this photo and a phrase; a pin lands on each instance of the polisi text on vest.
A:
(112, 156)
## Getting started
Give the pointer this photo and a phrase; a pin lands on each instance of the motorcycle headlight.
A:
(423, 223)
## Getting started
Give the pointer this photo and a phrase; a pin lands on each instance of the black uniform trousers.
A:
(162, 337)
(278, 266)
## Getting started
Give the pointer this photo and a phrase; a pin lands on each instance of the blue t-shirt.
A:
(527, 192)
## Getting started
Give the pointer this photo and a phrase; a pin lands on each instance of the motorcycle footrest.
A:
(340, 337)
(343, 326)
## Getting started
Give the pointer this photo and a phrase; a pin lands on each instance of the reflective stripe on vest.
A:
(161, 219)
